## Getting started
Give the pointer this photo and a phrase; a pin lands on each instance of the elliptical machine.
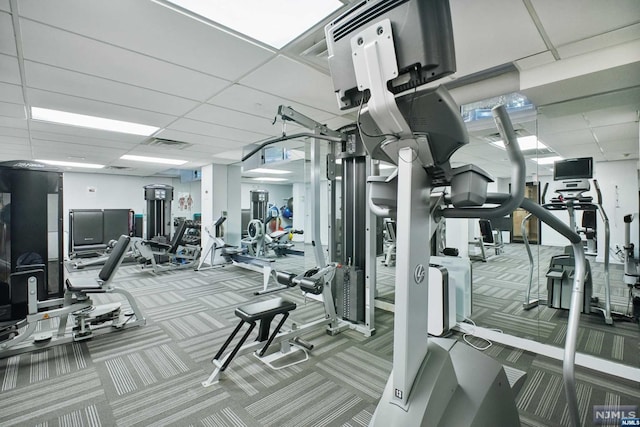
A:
(561, 267)
(375, 52)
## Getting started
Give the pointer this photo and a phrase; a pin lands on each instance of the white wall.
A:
(185, 190)
(102, 191)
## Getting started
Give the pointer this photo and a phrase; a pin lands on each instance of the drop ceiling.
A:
(218, 90)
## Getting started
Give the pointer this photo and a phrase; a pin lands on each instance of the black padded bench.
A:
(264, 312)
(89, 284)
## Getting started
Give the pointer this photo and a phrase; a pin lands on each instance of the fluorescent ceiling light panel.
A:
(273, 22)
(71, 164)
(92, 122)
(547, 160)
(526, 143)
(269, 178)
(153, 160)
(269, 171)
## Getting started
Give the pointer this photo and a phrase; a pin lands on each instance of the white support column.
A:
(412, 281)
(214, 192)
(233, 226)
(315, 204)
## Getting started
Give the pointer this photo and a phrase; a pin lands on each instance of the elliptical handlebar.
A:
(518, 175)
(598, 192)
(544, 193)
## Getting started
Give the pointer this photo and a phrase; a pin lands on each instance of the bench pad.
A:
(264, 309)
(84, 284)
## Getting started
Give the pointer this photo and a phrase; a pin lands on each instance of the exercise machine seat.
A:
(106, 272)
(264, 309)
(486, 231)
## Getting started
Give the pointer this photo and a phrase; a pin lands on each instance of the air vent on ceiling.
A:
(167, 143)
(118, 168)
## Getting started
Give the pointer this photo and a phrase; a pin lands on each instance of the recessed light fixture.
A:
(269, 171)
(547, 160)
(530, 142)
(92, 122)
(153, 160)
(273, 22)
(269, 178)
(71, 164)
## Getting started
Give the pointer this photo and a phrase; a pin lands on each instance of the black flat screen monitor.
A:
(580, 168)
(422, 35)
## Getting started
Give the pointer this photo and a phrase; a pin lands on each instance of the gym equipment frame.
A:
(76, 303)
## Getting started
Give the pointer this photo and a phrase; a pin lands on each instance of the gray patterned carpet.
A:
(150, 376)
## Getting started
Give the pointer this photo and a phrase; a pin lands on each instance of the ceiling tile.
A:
(6, 141)
(83, 140)
(4, 5)
(9, 71)
(7, 38)
(228, 157)
(617, 132)
(572, 20)
(73, 104)
(231, 118)
(54, 79)
(209, 129)
(84, 132)
(573, 137)
(11, 93)
(65, 50)
(612, 116)
(12, 110)
(504, 33)
(7, 128)
(214, 141)
(337, 122)
(258, 103)
(9, 122)
(560, 123)
(601, 41)
(66, 150)
(621, 145)
(286, 78)
(583, 150)
(163, 33)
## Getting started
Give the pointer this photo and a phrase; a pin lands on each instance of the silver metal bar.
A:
(288, 113)
(287, 138)
(568, 364)
(518, 174)
(607, 242)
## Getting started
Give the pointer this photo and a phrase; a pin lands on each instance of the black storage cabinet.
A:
(31, 223)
